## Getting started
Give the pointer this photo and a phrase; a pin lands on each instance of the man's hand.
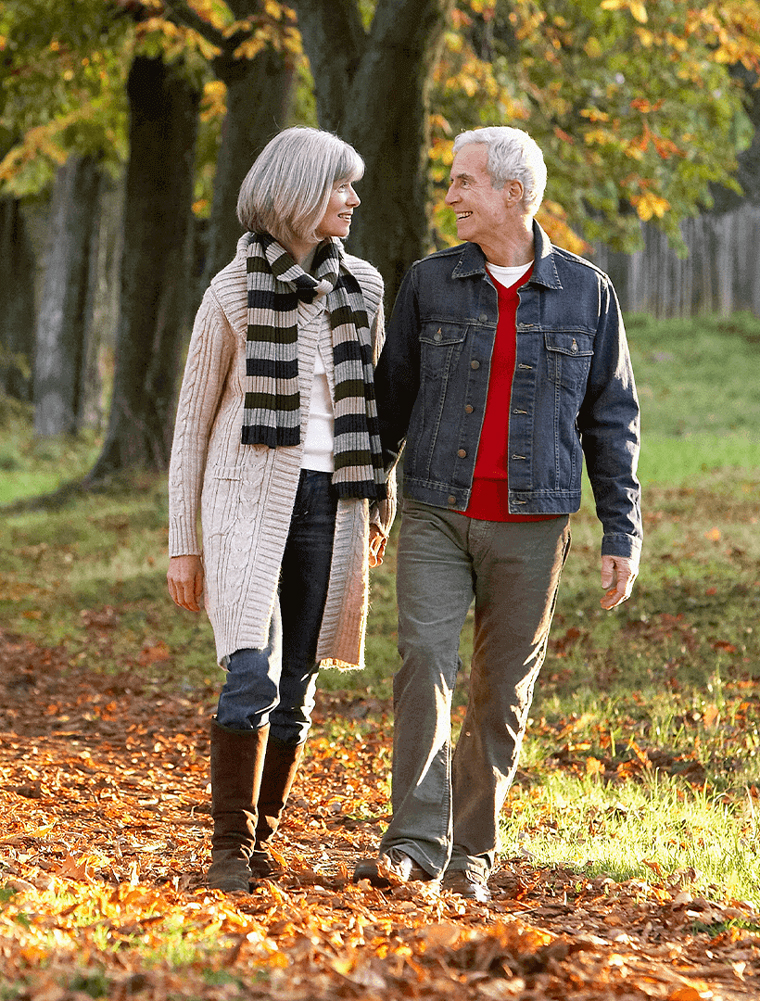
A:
(377, 544)
(185, 580)
(618, 575)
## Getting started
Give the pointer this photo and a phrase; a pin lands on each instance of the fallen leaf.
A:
(688, 994)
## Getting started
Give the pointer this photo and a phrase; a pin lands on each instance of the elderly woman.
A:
(276, 441)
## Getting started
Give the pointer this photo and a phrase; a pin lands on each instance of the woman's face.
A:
(337, 218)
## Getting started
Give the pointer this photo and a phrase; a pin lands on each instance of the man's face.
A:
(480, 209)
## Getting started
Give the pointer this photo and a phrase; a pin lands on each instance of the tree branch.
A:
(182, 13)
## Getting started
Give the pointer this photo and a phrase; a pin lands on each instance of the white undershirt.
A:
(318, 445)
(507, 276)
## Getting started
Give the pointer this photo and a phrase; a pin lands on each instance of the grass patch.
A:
(692, 374)
(32, 466)
(699, 411)
(658, 828)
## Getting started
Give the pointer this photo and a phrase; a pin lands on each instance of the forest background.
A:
(126, 127)
(632, 843)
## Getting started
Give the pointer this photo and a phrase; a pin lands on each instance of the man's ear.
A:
(514, 190)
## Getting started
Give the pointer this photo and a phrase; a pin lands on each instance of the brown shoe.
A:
(384, 870)
(466, 884)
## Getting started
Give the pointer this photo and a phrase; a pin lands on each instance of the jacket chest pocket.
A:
(568, 357)
(440, 345)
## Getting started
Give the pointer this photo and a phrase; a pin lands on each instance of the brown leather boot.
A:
(280, 767)
(237, 760)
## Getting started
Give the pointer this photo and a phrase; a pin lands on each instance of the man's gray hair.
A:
(512, 154)
(286, 191)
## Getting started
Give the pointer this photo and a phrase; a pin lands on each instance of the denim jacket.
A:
(573, 391)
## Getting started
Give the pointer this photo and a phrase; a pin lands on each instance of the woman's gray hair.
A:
(512, 154)
(287, 189)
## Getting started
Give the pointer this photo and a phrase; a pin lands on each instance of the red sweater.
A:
(490, 489)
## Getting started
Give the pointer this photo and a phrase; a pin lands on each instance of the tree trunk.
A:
(258, 94)
(258, 97)
(16, 303)
(375, 95)
(155, 269)
(102, 301)
(62, 322)
(333, 66)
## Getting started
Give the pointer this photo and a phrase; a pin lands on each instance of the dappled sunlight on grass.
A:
(642, 823)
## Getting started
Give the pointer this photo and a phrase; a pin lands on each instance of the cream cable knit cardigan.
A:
(246, 493)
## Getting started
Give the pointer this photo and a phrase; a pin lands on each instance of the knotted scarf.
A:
(272, 401)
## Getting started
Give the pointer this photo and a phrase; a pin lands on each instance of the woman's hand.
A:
(185, 580)
(377, 543)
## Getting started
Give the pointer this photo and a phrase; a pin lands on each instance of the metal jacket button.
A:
(474, 364)
(462, 453)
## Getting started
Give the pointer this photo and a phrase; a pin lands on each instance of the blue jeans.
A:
(276, 685)
(446, 805)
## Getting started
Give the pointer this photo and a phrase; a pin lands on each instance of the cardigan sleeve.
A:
(209, 356)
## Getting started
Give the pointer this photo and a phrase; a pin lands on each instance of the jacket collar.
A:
(472, 261)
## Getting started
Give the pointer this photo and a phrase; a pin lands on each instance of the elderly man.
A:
(505, 362)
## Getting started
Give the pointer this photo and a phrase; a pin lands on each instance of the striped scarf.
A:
(272, 403)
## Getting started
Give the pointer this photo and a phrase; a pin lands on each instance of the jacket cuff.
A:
(620, 545)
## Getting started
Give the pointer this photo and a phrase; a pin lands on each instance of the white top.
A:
(318, 446)
(507, 276)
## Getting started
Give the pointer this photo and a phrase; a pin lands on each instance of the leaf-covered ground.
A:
(104, 841)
